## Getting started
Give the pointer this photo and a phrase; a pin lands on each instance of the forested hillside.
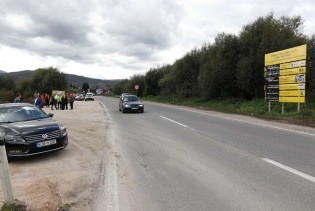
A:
(75, 80)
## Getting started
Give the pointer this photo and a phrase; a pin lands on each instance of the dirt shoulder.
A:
(67, 179)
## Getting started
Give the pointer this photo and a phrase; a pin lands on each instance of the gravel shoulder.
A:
(67, 179)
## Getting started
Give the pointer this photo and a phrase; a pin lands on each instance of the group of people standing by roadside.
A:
(60, 102)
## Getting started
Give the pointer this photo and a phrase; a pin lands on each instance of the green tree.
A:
(263, 36)
(136, 80)
(85, 87)
(167, 84)
(151, 81)
(7, 87)
(120, 87)
(310, 71)
(24, 86)
(44, 80)
(186, 72)
(218, 64)
(7, 83)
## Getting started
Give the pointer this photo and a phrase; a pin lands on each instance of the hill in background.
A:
(75, 80)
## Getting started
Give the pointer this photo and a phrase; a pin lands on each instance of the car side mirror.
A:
(50, 115)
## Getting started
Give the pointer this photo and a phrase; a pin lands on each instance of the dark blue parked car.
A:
(28, 130)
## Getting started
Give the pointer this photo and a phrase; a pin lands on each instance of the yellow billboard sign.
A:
(293, 64)
(300, 86)
(291, 79)
(298, 70)
(58, 92)
(292, 93)
(292, 99)
(285, 56)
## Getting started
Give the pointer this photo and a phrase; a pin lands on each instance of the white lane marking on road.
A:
(287, 168)
(174, 121)
(239, 120)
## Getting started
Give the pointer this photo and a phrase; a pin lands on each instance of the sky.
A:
(116, 39)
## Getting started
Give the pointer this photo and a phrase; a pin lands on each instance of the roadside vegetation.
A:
(17, 206)
(42, 80)
(228, 74)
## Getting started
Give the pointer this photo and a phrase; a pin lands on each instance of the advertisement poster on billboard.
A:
(285, 75)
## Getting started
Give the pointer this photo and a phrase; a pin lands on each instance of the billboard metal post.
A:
(4, 174)
(282, 108)
(269, 106)
(298, 107)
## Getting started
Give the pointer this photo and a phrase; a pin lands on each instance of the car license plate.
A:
(46, 143)
(134, 108)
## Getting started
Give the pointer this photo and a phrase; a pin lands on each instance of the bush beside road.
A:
(67, 179)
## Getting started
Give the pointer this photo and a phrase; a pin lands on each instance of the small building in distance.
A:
(99, 91)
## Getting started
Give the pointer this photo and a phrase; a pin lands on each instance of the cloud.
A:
(123, 36)
(76, 30)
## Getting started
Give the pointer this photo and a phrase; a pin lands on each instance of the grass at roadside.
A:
(11, 207)
(17, 206)
(256, 107)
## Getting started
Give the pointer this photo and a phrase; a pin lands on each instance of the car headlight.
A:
(63, 130)
(140, 105)
(126, 105)
(14, 138)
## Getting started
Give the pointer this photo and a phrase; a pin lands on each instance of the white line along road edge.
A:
(287, 168)
(233, 119)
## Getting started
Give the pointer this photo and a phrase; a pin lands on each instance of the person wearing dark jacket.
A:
(37, 101)
(67, 101)
(53, 102)
(71, 101)
(17, 99)
(47, 100)
(63, 102)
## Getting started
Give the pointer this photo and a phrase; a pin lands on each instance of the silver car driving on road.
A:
(131, 103)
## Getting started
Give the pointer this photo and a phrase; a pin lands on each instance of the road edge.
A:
(107, 193)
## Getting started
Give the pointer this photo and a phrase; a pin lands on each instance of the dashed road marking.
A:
(287, 168)
(174, 121)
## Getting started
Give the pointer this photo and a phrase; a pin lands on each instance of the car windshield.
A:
(21, 114)
(130, 99)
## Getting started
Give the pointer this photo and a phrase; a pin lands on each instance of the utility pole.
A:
(4, 173)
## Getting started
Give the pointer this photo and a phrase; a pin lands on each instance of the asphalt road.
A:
(175, 158)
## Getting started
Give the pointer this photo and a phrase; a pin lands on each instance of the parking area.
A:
(67, 179)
